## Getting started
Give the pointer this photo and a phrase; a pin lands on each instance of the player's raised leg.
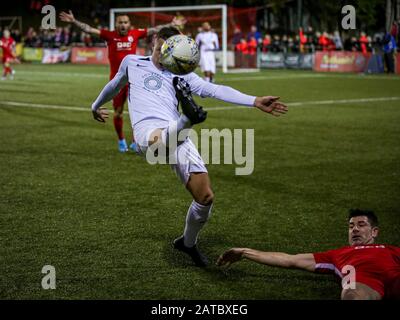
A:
(191, 114)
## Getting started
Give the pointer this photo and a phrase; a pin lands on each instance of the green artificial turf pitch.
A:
(106, 220)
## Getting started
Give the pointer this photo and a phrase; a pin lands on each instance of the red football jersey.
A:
(377, 266)
(8, 47)
(120, 46)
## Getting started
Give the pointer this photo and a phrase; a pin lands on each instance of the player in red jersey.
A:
(121, 42)
(368, 271)
(8, 45)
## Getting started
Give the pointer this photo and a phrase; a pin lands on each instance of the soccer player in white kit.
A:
(208, 43)
(154, 95)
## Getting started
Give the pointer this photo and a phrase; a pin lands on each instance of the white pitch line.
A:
(275, 77)
(230, 79)
(66, 74)
(41, 106)
(323, 102)
(218, 108)
(105, 76)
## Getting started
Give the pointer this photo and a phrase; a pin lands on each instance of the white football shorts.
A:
(207, 61)
(186, 160)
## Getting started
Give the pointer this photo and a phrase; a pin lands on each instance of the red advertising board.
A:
(341, 61)
(84, 55)
(89, 55)
(398, 63)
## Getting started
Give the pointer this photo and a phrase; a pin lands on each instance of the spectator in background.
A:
(369, 39)
(284, 43)
(394, 31)
(254, 34)
(323, 41)
(59, 37)
(75, 38)
(363, 43)
(276, 44)
(296, 44)
(337, 40)
(242, 46)
(311, 39)
(241, 53)
(86, 39)
(351, 44)
(317, 45)
(66, 41)
(291, 47)
(16, 35)
(331, 43)
(389, 49)
(302, 39)
(47, 39)
(252, 46)
(32, 39)
(266, 43)
(237, 36)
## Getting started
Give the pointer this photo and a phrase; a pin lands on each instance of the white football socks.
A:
(173, 129)
(196, 217)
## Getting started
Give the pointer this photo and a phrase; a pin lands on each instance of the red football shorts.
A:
(7, 59)
(120, 98)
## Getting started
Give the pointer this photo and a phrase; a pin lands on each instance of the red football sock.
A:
(118, 122)
(7, 70)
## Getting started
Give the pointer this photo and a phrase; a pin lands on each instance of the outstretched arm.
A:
(69, 17)
(268, 104)
(176, 22)
(110, 91)
(304, 261)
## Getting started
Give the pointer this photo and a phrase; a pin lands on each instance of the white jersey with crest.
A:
(152, 99)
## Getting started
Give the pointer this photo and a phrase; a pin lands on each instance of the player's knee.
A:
(206, 197)
(118, 112)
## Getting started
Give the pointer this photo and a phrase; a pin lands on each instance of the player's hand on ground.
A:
(229, 257)
(271, 105)
(178, 21)
(100, 114)
(67, 17)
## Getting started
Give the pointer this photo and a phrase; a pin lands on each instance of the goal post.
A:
(224, 21)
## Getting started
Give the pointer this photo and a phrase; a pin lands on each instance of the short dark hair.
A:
(372, 218)
(167, 32)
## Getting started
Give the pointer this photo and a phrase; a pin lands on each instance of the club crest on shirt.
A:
(152, 82)
(130, 39)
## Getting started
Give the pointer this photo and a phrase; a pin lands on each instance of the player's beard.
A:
(123, 32)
